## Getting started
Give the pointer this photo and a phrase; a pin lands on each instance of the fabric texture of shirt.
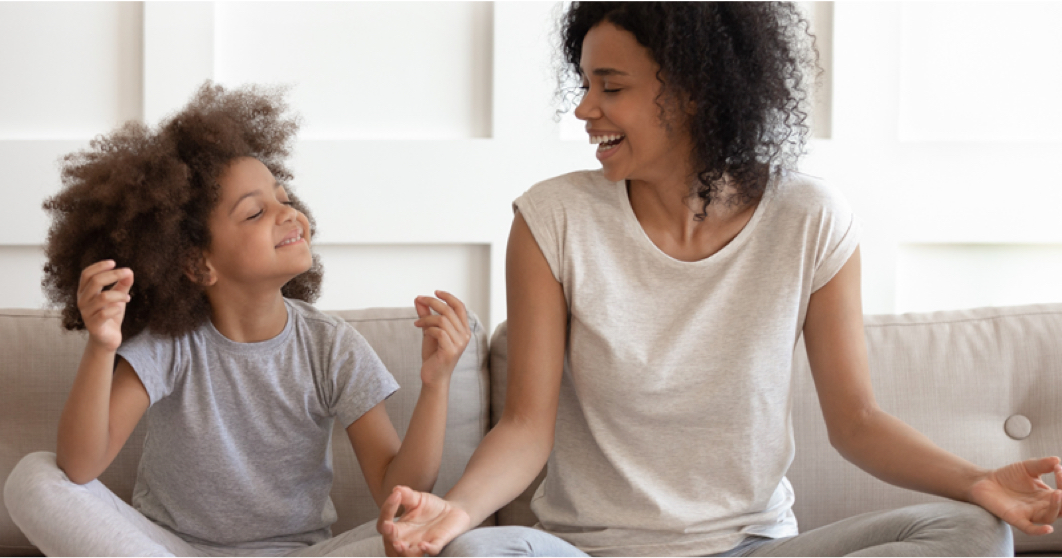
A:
(238, 445)
(673, 432)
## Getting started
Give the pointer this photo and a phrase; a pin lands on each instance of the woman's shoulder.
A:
(803, 193)
(574, 192)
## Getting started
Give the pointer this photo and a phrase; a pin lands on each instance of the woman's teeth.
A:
(606, 142)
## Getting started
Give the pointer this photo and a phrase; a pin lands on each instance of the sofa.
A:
(984, 383)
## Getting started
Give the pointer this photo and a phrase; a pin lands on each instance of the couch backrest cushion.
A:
(38, 362)
(955, 376)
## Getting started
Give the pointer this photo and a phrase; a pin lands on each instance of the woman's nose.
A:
(587, 108)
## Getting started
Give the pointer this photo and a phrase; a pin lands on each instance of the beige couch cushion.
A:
(38, 362)
(956, 377)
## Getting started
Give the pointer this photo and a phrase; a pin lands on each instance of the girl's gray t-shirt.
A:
(238, 446)
(673, 431)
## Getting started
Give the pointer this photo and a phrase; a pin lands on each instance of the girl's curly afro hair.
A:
(142, 198)
(743, 64)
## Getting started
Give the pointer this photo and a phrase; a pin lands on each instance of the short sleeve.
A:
(838, 237)
(544, 215)
(156, 361)
(361, 379)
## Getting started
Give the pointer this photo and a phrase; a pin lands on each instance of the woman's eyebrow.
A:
(608, 72)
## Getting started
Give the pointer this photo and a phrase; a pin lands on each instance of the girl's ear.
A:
(201, 272)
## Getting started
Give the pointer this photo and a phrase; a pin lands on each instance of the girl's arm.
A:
(105, 402)
(885, 446)
(515, 450)
(415, 462)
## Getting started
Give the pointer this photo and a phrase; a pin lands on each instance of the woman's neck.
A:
(247, 317)
(668, 212)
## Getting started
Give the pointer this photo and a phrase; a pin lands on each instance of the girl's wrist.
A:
(439, 386)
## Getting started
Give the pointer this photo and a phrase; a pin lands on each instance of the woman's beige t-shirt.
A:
(674, 432)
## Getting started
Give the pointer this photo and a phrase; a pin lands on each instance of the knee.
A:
(492, 541)
(32, 473)
(976, 530)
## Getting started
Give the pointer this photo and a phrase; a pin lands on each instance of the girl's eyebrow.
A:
(605, 72)
(252, 193)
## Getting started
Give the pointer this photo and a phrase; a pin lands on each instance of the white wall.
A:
(424, 120)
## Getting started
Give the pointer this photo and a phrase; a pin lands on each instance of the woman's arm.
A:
(105, 402)
(515, 450)
(415, 462)
(888, 448)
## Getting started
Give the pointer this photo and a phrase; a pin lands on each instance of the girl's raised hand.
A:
(103, 309)
(446, 334)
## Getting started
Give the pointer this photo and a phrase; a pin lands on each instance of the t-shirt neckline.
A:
(631, 221)
(219, 340)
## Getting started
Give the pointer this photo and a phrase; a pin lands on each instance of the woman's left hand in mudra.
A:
(1016, 494)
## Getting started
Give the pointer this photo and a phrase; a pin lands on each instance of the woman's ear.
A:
(200, 271)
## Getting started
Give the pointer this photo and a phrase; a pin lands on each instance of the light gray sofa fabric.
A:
(38, 362)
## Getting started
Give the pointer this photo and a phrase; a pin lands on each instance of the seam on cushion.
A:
(964, 320)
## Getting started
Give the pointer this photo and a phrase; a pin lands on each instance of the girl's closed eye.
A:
(256, 215)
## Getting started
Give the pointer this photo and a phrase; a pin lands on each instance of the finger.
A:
(422, 309)
(443, 337)
(1042, 466)
(94, 269)
(125, 283)
(440, 322)
(1058, 477)
(441, 308)
(112, 312)
(101, 301)
(97, 282)
(458, 306)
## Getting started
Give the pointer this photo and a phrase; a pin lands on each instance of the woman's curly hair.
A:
(744, 65)
(142, 198)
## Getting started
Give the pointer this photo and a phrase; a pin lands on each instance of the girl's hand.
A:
(1016, 494)
(446, 334)
(427, 525)
(103, 310)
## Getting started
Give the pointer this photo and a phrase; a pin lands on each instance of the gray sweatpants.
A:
(67, 519)
(942, 529)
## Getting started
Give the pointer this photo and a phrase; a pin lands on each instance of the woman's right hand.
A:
(427, 524)
(103, 309)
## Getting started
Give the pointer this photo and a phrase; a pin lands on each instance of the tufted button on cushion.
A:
(1018, 427)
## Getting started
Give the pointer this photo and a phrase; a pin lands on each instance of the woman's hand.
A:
(427, 525)
(446, 334)
(1016, 494)
(103, 310)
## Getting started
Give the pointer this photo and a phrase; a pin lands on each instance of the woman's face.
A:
(257, 237)
(621, 110)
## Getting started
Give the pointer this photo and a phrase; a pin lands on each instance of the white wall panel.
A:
(20, 282)
(981, 71)
(354, 274)
(955, 276)
(69, 69)
(366, 70)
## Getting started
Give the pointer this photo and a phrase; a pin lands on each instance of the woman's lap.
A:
(938, 529)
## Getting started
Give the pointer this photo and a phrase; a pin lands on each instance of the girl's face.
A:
(258, 238)
(621, 111)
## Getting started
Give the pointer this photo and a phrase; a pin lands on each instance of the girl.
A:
(195, 290)
(654, 306)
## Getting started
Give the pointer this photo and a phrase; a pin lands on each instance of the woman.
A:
(653, 310)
